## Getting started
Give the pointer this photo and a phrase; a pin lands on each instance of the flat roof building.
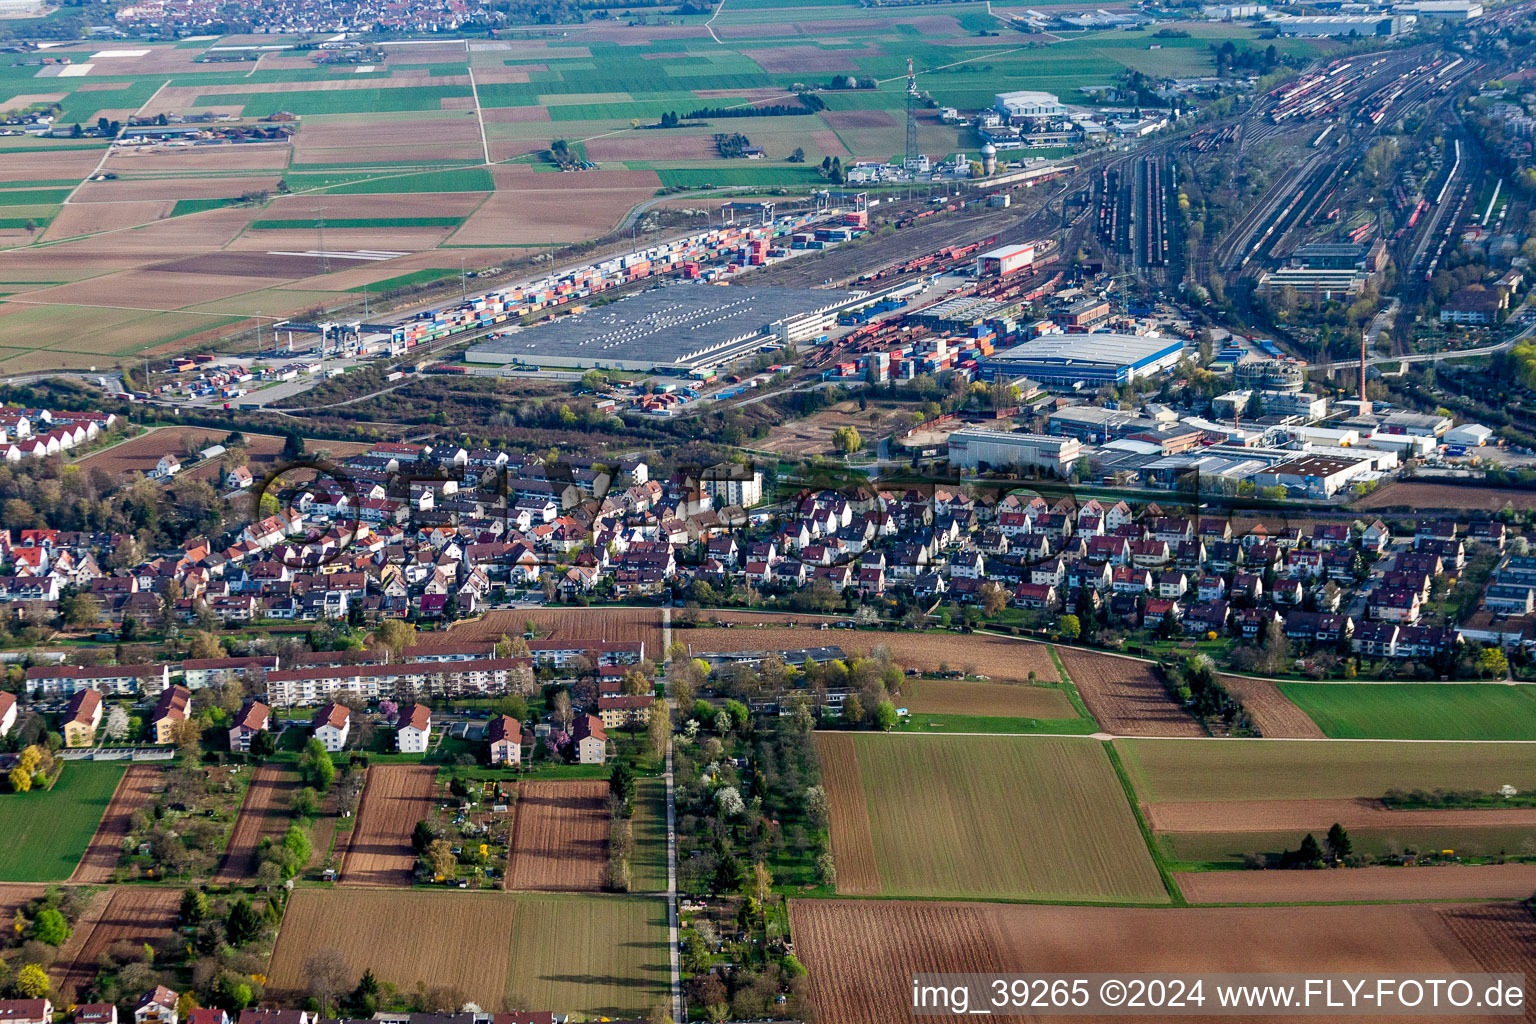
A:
(679, 327)
(1028, 103)
(1087, 359)
(974, 449)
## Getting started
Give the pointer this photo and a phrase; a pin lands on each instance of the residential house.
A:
(7, 712)
(589, 740)
(157, 1006)
(333, 724)
(253, 718)
(81, 717)
(170, 711)
(415, 730)
(26, 1011)
(95, 1013)
(505, 735)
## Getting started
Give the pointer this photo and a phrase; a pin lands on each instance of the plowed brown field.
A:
(861, 953)
(137, 914)
(1407, 495)
(1301, 815)
(264, 813)
(396, 797)
(643, 624)
(999, 657)
(1501, 937)
(133, 792)
(1451, 882)
(1125, 695)
(457, 940)
(560, 841)
(853, 842)
(1274, 715)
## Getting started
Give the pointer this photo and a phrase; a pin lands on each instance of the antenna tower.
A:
(911, 113)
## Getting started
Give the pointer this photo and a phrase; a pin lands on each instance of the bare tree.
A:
(329, 976)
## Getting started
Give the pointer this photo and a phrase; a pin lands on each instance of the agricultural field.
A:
(1125, 695)
(1258, 770)
(100, 859)
(465, 127)
(648, 865)
(140, 915)
(964, 697)
(48, 831)
(395, 798)
(560, 840)
(998, 658)
(596, 624)
(502, 951)
(854, 949)
(139, 454)
(1343, 885)
(264, 813)
(1387, 841)
(1040, 818)
(1414, 495)
(1428, 711)
(1269, 710)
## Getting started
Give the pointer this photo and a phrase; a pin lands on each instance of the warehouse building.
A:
(1028, 104)
(679, 328)
(1004, 260)
(1343, 25)
(1086, 360)
(996, 449)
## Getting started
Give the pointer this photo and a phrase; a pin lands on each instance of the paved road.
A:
(1428, 357)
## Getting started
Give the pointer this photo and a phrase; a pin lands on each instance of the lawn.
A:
(976, 817)
(47, 831)
(938, 723)
(1467, 841)
(594, 954)
(648, 865)
(1418, 711)
(1179, 770)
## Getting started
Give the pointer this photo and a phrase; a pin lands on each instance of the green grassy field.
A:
(1180, 770)
(595, 954)
(648, 866)
(1230, 847)
(46, 832)
(1427, 711)
(971, 817)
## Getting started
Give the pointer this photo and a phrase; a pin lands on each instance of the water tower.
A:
(988, 160)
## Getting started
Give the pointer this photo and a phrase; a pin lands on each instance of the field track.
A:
(1125, 695)
(396, 797)
(1271, 711)
(861, 953)
(853, 845)
(137, 914)
(1278, 815)
(264, 813)
(1343, 885)
(101, 856)
(560, 841)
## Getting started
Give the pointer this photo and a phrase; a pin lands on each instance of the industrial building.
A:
(680, 328)
(1028, 104)
(1343, 25)
(973, 449)
(1004, 260)
(1442, 10)
(1089, 360)
(1270, 374)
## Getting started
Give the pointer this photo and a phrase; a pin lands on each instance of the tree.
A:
(49, 926)
(562, 711)
(762, 883)
(1310, 854)
(305, 803)
(194, 906)
(327, 972)
(296, 842)
(885, 716)
(993, 598)
(659, 728)
(242, 924)
(395, 635)
(1492, 663)
(31, 982)
(21, 779)
(847, 439)
(188, 737)
(853, 710)
(79, 611)
(797, 157)
(316, 766)
(1338, 841)
(621, 783)
(440, 856)
(1070, 627)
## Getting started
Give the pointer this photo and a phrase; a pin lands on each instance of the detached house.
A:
(506, 740)
(254, 717)
(333, 723)
(415, 730)
(81, 717)
(589, 740)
